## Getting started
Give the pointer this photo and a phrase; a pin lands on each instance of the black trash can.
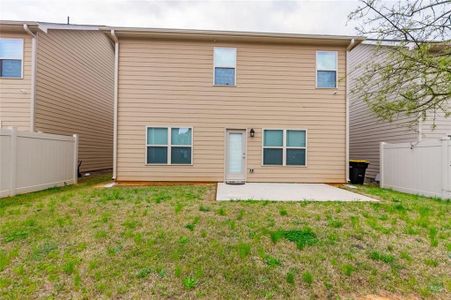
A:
(357, 170)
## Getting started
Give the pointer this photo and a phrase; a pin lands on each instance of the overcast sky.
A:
(327, 17)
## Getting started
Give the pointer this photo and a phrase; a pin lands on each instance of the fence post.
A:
(381, 164)
(445, 168)
(13, 161)
(75, 173)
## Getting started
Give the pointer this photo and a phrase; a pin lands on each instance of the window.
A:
(326, 69)
(225, 65)
(171, 146)
(284, 147)
(11, 54)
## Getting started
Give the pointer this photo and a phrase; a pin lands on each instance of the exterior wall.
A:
(442, 126)
(15, 93)
(74, 91)
(365, 130)
(170, 83)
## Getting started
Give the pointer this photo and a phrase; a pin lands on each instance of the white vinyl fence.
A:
(31, 161)
(423, 168)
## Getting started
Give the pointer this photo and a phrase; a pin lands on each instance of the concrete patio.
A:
(286, 192)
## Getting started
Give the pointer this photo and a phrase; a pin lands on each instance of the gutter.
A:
(351, 45)
(116, 89)
(33, 76)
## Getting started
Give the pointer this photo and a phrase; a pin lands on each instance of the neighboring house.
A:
(230, 106)
(58, 79)
(367, 131)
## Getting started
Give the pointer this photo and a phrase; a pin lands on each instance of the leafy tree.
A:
(411, 71)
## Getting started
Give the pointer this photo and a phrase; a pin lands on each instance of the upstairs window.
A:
(225, 66)
(284, 147)
(169, 145)
(326, 69)
(11, 56)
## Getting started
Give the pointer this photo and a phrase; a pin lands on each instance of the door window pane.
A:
(272, 156)
(273, 138)
(157, 155)
(157, 136)
(235, 145)
(296, 157)
(181, 155)
(181, 136)
(295, 138)
(327, 79)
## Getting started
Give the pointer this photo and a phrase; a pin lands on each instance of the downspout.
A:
(116, 80)
(349, 48)
(33, 76)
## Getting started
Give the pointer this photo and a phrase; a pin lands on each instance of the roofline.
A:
(193, 34)
(10, 25)
(220, 35)
(228, 33)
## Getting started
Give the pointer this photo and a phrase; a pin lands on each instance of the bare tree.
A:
(414, 79)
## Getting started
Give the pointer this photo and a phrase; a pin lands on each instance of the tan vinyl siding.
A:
(15, 93)
(170, 83)
(75, 91)
(366, 131)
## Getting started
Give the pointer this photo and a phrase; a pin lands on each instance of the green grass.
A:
(176, 242)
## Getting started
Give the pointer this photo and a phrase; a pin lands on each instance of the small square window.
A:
(296, 157)
(273, 156)
(157, 155)
(273, 138)
(181, 155)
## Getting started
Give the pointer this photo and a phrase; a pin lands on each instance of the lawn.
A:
(177, 242)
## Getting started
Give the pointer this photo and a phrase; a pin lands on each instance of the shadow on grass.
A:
(25, 198)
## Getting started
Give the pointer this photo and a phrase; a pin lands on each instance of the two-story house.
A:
(367, 131)
(58, 78)
(193, 105)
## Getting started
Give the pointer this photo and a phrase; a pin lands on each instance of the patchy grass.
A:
(175, 242)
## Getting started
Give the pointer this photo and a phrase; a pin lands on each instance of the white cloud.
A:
(327, 17)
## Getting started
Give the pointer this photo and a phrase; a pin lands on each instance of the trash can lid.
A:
(359, 161)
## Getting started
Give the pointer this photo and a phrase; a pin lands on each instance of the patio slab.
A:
(286, 192)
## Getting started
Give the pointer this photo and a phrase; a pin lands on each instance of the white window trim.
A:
(214, 67)
(21, 59)
(285, 147)
(336, 69)
(168, 145)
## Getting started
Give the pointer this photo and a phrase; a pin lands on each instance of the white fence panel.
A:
(422, 168)
(32, 161)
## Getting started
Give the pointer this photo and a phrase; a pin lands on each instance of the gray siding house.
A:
(366, 132)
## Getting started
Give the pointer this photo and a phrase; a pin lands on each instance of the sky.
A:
(325, 17)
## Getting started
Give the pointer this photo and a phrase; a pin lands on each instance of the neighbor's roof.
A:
(17, 26)
(218, 35)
